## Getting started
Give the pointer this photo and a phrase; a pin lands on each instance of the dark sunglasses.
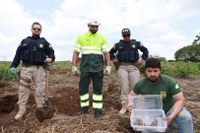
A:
(127, 35)
(94, 26)
(36, 29)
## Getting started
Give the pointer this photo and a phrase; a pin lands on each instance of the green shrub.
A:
(186, 69)
(178, 69)
(5, 71)
(142, 69)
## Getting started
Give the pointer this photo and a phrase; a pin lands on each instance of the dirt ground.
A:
(63, 95)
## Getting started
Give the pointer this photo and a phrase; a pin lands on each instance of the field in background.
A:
(63, 95)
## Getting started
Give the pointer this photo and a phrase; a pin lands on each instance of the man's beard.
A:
(153, 79)
(93, 32)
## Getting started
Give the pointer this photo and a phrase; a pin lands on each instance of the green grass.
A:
(175, 69)
(5, 71)
(178, 69)
(63, 64)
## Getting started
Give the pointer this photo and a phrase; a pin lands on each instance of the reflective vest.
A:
(92, 47)
(90, 43)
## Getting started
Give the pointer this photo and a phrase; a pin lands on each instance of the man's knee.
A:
(185, 115)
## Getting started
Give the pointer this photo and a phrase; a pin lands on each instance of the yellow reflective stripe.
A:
(105, 48)
(97, 105)
(84, 97)
(98, 97)
(85, 104)
(91, 48)
(77, 48)
(100, 53)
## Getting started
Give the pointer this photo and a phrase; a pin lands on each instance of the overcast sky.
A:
(163, 26)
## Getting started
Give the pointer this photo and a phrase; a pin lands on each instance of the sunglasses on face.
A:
(36, 29)
(94, 26)
(127, 35)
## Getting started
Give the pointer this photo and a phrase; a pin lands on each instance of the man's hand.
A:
(169, 119)
(139, 62)
(130, 102)
(75, 70)
(107, 70)
(48, 60)
(13, 70)
(116, 64)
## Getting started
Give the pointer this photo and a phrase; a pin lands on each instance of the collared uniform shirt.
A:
(92, 47)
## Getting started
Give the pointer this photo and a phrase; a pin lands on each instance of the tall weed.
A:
(5, 71)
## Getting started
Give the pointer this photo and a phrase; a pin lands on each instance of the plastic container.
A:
(147, 114)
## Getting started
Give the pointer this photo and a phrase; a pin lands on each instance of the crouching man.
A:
(173, 100)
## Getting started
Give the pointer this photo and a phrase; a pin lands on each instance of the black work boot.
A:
(97, 113)
(83, 111)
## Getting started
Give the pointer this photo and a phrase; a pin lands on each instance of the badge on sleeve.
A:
(133, 45)
(24, 44)
(176, 86)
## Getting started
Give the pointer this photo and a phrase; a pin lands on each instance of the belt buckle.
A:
(126, 63)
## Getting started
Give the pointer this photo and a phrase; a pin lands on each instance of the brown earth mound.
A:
(63, 95)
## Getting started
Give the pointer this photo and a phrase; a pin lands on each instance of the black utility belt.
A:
(126, 63)
(31, 65)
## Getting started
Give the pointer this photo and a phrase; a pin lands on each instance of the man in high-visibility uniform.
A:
(93, 47)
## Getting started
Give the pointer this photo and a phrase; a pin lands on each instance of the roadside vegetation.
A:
(175, 69)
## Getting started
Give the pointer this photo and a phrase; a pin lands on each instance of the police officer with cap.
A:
(126, 54)
(35, 52)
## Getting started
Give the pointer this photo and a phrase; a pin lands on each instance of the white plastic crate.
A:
(147, 114)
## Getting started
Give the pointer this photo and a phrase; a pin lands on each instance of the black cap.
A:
(126, 31)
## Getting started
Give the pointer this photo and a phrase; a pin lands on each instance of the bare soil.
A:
(64, 96)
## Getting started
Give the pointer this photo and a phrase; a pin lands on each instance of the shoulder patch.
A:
(176, 86)
(23, 44)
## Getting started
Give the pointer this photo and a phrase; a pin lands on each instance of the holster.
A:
(116, 64)
(18, 77)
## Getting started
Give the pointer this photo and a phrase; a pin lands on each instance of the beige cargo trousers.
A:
(128, 75)
(37, 74)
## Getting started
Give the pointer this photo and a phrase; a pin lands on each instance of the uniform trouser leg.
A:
(84, 83)
(24, 86)
(39, 77)
(24, 90)
(124, 83)
(134, 76)
(47, 86)
(128, 76)
(97, 80)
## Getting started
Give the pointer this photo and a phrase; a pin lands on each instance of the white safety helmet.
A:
(94, 22)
